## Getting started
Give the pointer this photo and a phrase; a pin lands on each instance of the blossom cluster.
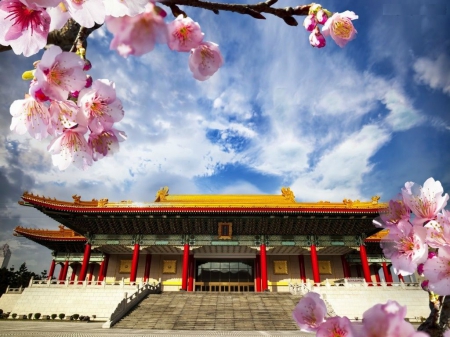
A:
(419, 234)
(136, 25)
(381, 320)
(338, 25)
(65, 103)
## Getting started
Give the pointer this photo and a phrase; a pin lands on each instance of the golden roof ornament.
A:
(287, 194)
(162, 194)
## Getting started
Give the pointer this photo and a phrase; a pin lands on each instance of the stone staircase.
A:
(213, 311)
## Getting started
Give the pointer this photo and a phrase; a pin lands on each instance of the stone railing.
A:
(86, 283)
(17, 291)
(131, 301)
(351, 282)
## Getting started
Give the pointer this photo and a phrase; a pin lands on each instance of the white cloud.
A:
(434, 72)
(402, 115)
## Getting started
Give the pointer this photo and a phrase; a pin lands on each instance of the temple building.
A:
(250, 243)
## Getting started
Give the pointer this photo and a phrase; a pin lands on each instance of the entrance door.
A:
(225, 275)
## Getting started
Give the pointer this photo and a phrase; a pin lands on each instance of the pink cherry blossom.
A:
(24, 26)
(388, 319)
(71, 147)
(425, 202)
(119, 8)
(100, 105)
(406, 247)
(336, 327)
(86, 12)
(340, 27)
(310, 312)
(59, 73)
(64, 115)
(137, 35)
(184, 34)
(447, 333)
(205, 60)
(30, 116)
(106, 143)
(438, 231)
(59, 16)
(310, 22)
(437, 271)
(316, 39)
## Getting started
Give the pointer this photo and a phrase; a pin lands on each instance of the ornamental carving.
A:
(280, 267)
(76, 199)
(125, 266)
(287, 194)
(375, 199)
(325, 268)
(102, 202)
(162, 194)
(169, 266)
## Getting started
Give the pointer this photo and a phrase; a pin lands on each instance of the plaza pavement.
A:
(81, 329)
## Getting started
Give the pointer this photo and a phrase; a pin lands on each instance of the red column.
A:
(345, 266)
(387, 274)
(400, 278)
(315, 264)
(134, 263)
(365, 263)
(258, 273)
(60, 275)
(84, 266)
(66, 267)
(301, 265)
(91, 272)
(191, 273)
(184, 273)
(264, 286)
(148, 263)
(74, 272)
(103, 268)
(52, 270)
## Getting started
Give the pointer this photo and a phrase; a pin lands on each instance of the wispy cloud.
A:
(434, 72)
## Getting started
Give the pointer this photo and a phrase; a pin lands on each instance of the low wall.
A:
(354, 301)
(49, 298)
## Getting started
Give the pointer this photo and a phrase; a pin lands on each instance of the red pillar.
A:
(184, 273)
(52, 270)
(258, 273)
(148, 263)
(65, 268)
(345, 266)
(315, 264)
(264, 286)
(84, 266)
(387, 274)
(301, 265)
(191, 273)
(74, 272)
(91, 272)
(365, 263)
(400, 278)
(103, 268)
(375, 271)
(134, 263)
(60, 275)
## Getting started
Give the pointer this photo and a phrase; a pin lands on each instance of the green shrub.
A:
(30, 315)
(85, 318)
(24, 316)
(14, 315)
(37, 315)
(5, 315)
(53, 316)
(1, 311)
(75, 316)
(61, 316)
(47, 316)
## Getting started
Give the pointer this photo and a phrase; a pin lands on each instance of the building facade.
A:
(212, 242)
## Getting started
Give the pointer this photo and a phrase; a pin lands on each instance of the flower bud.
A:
(321, 17)
(87, 65)
(316, 39)
(310, 22)
(88, 81)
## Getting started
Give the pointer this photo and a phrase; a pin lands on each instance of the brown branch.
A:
(254, 10)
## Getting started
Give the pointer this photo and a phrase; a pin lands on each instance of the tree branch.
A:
(255, 10)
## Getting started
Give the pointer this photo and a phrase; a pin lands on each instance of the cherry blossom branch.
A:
(254, 10)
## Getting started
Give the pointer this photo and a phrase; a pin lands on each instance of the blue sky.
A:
(331, 123)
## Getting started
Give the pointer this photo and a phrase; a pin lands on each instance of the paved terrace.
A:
(81, 329)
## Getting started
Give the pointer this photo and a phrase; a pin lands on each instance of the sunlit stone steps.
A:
(213, 311)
